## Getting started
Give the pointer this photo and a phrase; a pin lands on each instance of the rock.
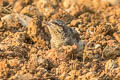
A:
(68, 3)
(113, 2)
(75, 22)
(30, 11)
(97, 46)
(14, 19)
(33, 29)
(15, 45)
(63, 54)
(74, 9)
(111, 51)
(18, 6)
(18, 76)
(45, 7)
(14, 62)
(110, 65)
(3, 65)
(37, 60)
(88, 75)
(118, 60)
(117, 36)
(1, 24)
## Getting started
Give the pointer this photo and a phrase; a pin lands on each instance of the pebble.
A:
(97, 46)
(15, 19)
(110, 65)
(117, 36)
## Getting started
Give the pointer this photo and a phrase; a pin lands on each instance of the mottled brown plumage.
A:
(62, 35)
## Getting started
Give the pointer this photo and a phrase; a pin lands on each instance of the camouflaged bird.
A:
(63, 35)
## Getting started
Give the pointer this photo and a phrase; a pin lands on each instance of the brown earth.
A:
(25, 52)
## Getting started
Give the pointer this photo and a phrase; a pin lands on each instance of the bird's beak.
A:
(50, 27)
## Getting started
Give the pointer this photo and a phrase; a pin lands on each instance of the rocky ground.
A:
(25, 52)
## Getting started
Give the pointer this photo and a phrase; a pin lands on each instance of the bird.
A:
(62, 35)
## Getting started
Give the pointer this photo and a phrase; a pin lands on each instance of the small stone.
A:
(45, 7)
(14, 62)
(62, 76)
(1, 24)
(117, 36)
(26, 76)
(96, 56)
(113, 2)
(111, 51)
(3, 65)
(118, 25)
(30, 11)
(67, 3)
(118, 60)
(18, 6)
(33, 29)
(74, 9)
(14, 19)
(97, 46)
(75, 22)
(72, 72)
(110, 65)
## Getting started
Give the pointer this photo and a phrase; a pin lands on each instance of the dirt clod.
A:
(25, 47)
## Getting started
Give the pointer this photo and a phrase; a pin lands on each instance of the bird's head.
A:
(56, 27)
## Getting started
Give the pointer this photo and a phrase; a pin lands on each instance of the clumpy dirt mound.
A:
(25, 47)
